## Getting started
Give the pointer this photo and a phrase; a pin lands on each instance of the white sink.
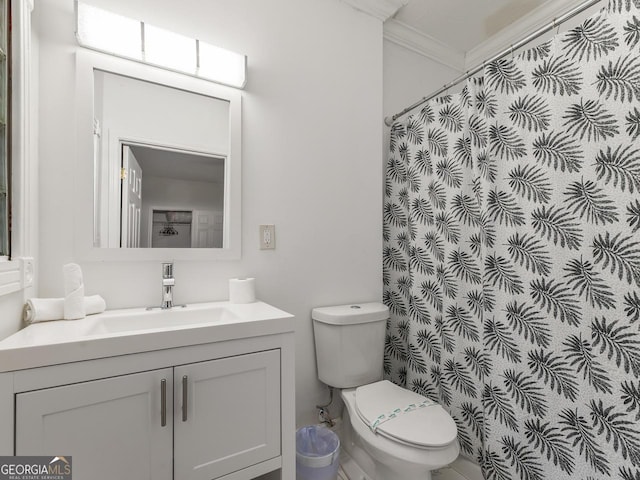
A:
(155, 319)
(134, 330)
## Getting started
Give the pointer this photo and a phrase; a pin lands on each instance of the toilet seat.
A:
(429, 426)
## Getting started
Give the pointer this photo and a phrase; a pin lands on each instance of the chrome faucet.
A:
(167, 285)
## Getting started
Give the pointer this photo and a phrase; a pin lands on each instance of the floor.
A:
(444, 474)
(461, 469)
(349, 470)
(447, 474)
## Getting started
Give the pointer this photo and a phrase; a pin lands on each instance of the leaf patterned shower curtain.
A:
(512, 256)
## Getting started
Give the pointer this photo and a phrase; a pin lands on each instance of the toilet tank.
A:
(350, 343)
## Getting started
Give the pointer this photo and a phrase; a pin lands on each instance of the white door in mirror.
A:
(267, 237)
(131, 204)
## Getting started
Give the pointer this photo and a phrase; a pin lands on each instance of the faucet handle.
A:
(167, 270)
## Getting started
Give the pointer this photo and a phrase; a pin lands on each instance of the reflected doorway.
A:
(171, 198)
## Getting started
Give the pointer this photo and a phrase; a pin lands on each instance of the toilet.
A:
(395, 432)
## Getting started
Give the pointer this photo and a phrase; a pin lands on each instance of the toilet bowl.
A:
(400, 434)
(407, 447)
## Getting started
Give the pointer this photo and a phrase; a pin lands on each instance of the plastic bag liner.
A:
(317, 453)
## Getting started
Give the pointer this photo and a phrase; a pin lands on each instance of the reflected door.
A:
(206, 229)
(131, 199)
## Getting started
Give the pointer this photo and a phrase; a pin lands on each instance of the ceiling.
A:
(171, 164)
(464, 24)
(462, 33)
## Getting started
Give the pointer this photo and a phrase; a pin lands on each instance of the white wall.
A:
(161, 115)
(10, 313)
(180, 195)
(312, 135)
(409, 76)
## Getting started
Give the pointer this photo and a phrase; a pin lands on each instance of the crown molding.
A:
(518, 30)
(380, 9)
(425, 45)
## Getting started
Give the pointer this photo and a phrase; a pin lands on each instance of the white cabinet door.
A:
(112, 427)
(232, 416)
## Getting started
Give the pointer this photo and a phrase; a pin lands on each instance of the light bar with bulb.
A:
(115, 34)
(97, 29)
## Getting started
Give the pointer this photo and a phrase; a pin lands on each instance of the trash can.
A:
(317, 453)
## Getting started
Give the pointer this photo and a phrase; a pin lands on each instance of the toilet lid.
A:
(428, 426)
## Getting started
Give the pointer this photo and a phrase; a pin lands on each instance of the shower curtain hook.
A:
(556, 25)
(512, 51)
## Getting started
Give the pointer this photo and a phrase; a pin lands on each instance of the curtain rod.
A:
(469, 73)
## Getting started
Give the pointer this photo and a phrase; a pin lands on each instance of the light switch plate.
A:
(267, 237)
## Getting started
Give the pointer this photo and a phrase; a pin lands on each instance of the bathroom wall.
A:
(165, 192)
(132, 108)
(10, 313)
(409, 76)
(312, 135)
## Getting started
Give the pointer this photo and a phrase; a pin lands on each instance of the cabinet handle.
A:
(163, 403)
(185, 397)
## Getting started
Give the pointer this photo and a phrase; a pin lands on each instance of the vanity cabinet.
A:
(229, 414)
(226, 416)
(212, 411)
(111, 427)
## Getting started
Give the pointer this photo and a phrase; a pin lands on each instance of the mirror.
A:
(159, 152)
(162, 158)
(170, 198)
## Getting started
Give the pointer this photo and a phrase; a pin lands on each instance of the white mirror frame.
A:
(88, 61)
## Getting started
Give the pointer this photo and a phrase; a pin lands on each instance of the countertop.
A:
(135, 330)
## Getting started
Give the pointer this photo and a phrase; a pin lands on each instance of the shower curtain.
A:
(512, 256)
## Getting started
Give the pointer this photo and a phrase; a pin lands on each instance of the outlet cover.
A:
(267, 237)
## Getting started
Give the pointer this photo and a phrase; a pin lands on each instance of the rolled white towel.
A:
(46, 309)
(73, 292)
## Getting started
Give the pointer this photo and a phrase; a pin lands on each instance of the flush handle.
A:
(163, 402)
(185, 397)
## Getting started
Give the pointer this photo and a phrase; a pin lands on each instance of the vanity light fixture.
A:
(95, 29)
(169, 50)
(136, 40)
